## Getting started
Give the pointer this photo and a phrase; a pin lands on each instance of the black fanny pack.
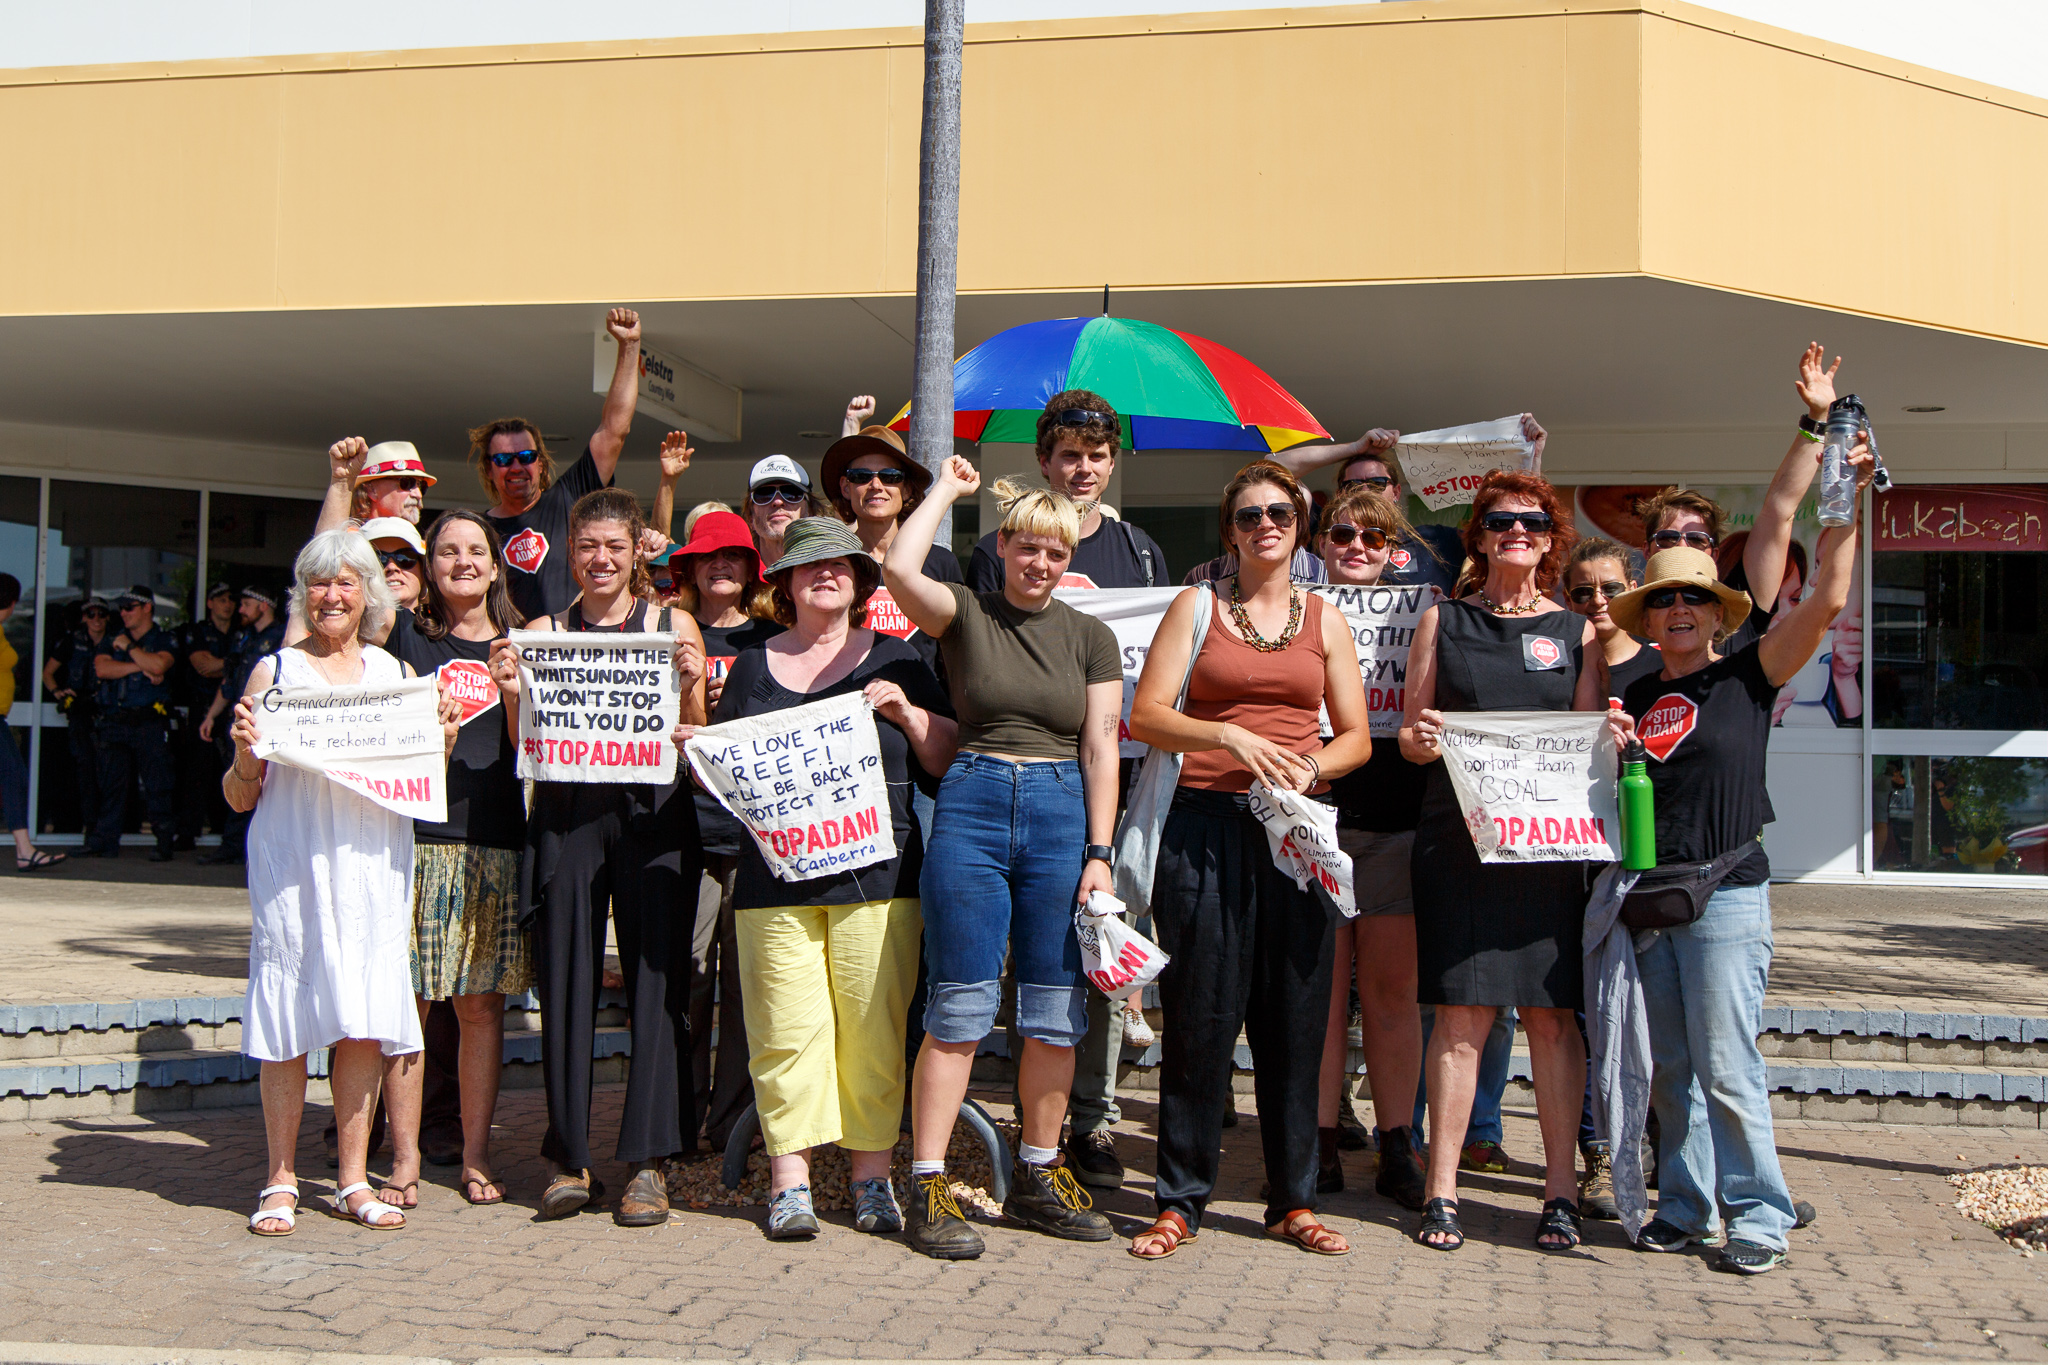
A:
(1668, 897)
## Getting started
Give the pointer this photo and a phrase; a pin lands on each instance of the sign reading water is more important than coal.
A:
(383, 742)
(1535, 786)
(806, 782)
(1382, 622)
(597, 708)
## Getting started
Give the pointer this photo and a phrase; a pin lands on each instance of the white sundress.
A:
(330, 888)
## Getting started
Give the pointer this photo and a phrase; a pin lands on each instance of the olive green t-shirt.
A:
(1020, 678)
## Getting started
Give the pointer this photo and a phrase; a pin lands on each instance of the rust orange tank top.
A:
(1276, 696)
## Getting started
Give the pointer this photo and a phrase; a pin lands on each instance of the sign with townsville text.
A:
(597, 708)
(1535, 786)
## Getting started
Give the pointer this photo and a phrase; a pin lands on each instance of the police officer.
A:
(68, 680)
(202, 662)
(133, 665)
(261, 633)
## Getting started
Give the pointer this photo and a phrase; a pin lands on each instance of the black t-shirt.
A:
(1116, 556)
(193, 689)
(721, 833)
(885, 617)
(246, 648)
(1642, 664)
(486, 802)
(135, 690)
(1385, 796)
(1707, 734)
(537, 542)
(751, 690)
(1412, 560)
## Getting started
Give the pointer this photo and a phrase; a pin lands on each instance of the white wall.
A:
(1998, 41)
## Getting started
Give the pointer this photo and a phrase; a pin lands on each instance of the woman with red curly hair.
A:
(1494, 934)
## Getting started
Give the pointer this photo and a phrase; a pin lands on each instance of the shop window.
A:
(252, 541)
(1186, 535)
(1978, 815)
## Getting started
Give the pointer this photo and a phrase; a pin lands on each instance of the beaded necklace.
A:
(1250, 632)
(1499, 610)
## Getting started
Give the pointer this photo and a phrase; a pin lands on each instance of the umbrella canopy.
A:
(1173, 391)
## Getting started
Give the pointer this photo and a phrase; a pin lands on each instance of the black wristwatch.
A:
(1807, 424)
(1099, 853)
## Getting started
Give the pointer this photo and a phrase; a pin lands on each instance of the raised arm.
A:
(608, 442)
(1797, 634)
(1763, 557)
(676, 451)
(859, 408)
(926, 601)
(344, 462)
(1299, 460)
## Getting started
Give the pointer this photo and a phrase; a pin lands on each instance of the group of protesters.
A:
(852, 1004)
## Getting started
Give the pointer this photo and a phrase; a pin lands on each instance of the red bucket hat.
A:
(718, 531)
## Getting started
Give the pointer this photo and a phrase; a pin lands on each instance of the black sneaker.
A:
(1747, 1258)
(1400, 1176)
(1093, 1159)
(935, 1225)
(1658, 1235)
(1048, 1199)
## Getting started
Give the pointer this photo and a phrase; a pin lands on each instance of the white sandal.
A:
(370, 1213)
(288, 1215)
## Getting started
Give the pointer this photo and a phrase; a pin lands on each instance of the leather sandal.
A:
(1300, 1227)
(568, 1192)
(1440, 1218)
(1169, 1226)
(1560, 1220)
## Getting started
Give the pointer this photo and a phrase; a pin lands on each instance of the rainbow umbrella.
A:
(1174, 391)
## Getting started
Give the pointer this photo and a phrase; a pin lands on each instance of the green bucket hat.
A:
(811, 539)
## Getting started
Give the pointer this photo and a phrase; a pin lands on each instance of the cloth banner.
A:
(1535, 786)
(806, 782)
(597, 708)
(383, 743)
(1133, 615)
(1445, 467)
(1302, 833)
(1382, 622)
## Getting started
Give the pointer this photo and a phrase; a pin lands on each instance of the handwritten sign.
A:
(383, 743)
(1382, 622)
(1445, 467)
(597, 708)
(1936, 517)
(1302, 835)
(1535, 786)
(806, 782)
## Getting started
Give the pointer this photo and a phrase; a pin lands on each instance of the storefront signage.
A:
(1962, 517)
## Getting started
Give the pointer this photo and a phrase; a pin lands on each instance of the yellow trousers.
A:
(826, 989)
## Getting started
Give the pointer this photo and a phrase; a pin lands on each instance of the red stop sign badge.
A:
(526, 551)
(1667, 723)
(471, 684)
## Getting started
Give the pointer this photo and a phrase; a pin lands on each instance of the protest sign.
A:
(470, 683)
(806, 782)
(1117, 958)
(1302, 835)
(1382, 622)
(1535, 786)
(1445, 467)
(597, 708)
(1133, 616)
(384, 742)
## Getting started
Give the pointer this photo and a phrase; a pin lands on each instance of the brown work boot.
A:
(645, 1202)
(1596, 1186)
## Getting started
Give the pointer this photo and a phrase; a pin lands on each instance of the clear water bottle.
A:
(1846, 421)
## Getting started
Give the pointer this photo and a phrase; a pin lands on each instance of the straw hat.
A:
(1681, 567)
(394, 460)
(871, 441)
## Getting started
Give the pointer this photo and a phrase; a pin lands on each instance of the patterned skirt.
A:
(466, 934)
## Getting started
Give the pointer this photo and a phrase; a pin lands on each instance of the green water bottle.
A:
(1638, 811)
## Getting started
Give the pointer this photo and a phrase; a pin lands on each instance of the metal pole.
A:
(938, 241)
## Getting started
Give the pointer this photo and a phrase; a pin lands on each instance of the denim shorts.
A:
(999, 879)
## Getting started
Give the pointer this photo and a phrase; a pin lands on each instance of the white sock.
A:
(1036, 1156)
(924, 1168)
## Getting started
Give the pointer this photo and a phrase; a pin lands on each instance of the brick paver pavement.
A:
(131, 1233)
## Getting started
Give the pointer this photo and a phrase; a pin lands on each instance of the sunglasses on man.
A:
(95, 614)
(1535, 523)
(505, 459)
(1584, 593)
(777, 492)
(406, 482)
(1081, 417)
(1343, 533)
(861, 478)
(404, 559)
(1671, 540)
(1665, 598)
(1378, 483)
(1281, 514)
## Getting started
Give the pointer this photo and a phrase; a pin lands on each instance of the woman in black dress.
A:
(1494, 934)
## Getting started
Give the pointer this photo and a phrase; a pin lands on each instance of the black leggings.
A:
(606, 849)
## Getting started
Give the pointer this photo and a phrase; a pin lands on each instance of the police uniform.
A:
(199, 763)
(245, 648)
(133, 735)
(74, 654)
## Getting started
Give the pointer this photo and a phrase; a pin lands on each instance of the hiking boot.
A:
(644, 1204)
(1400, 1175)
(874, 1206)
(1748, 1258)
(936, 1226)
(791, 1217)
(1488, 1158)
(1048, 1199)
(1092, 1156)
(1596, 1186)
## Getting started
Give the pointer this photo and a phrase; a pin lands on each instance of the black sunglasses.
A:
(1667, 597)
(404, 559)
(1671, 540)
(1584, 592)
(1248, 518)
(1378, 483)
(505, 458)
(1081, 417)
(860, 478)
(1535, 523)
(777, 492)
(1343, 533)
(95, 612)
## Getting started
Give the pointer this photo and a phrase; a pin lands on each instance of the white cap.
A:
(778, 469)
(393, 528)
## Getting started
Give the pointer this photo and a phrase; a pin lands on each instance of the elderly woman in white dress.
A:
(330, 886)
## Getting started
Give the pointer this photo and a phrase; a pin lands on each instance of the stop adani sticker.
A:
(471, 684)
(1541, 653)
(526, 551)
(1400, 558)
(1666, 723)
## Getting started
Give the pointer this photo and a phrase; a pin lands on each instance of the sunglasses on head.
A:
(1378, 483)
(1671, 540)
(505, 458)
(1584, 592)
(1281, 514)
(1668, 597)
(860, 478)
(777, 492)
(404, 559)
(1371, 537)
(1535, 523)
(1081, 417)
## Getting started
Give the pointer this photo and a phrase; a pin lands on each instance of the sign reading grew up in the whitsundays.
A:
(806, 782)
(597, 708)
(383, 742)
(1535, 786)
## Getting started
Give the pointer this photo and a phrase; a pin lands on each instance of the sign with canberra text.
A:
(597, 708)
(384, 742)
(806, 782)
(1535, 786)
(1382, 622)
(1937, 518)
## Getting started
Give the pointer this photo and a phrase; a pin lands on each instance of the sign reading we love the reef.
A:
(597, 708)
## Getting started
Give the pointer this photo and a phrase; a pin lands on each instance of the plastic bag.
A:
(1302, 834)
(1117, 958)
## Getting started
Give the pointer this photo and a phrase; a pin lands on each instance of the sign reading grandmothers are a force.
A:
(382, 742)
(597, 708)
